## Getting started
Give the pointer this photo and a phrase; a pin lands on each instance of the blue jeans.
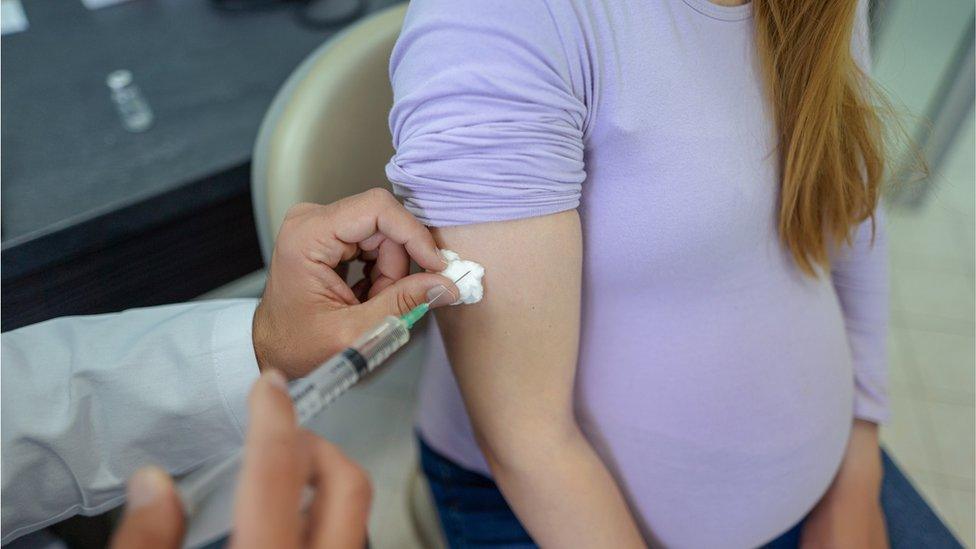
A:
(473, 512)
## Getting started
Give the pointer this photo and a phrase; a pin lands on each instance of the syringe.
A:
(315, 391)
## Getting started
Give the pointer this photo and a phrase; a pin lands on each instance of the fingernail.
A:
(146, 486)
(440, 295)
(276, 379)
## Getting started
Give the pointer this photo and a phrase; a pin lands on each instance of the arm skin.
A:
(514, 355)
(849, 515)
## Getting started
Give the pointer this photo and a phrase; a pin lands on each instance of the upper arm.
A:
(488, 124)
(514, 353)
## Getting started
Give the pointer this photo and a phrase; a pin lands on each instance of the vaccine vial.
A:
(131, 105)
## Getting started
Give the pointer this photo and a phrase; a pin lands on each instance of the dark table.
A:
(97, 219)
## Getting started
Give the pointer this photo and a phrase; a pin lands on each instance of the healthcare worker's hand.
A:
(308, 313)
(280, 460)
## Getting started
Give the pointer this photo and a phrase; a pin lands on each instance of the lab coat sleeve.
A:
(88, 400)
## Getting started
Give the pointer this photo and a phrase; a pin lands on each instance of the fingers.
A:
(386, 262)
(333, 287)
(370, 225)
(361, 289)
(267, 510)
(340, 511)
(402, 296)
(279, 460)
(392, 264)
(359, 217)
(153, 516)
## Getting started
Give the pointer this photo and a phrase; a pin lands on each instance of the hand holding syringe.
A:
(306, 299)
(318, 389)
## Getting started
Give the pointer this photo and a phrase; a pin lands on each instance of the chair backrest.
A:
(326, 134)
(325, 137)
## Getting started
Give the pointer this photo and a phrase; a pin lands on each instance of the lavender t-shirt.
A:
(717, 382)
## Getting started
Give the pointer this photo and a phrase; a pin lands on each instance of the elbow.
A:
(519, 447)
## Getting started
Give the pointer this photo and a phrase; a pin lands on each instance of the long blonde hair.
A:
(831, 137)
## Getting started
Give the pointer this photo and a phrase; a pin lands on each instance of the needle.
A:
(443, 289)
(462, 276)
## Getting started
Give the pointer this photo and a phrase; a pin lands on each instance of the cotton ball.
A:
(470, 288)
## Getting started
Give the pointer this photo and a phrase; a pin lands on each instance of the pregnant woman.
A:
(682, 340)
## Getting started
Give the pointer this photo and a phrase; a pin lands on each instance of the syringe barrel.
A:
(194, 488)
(310, 394)
(317, 390)
(379, 343)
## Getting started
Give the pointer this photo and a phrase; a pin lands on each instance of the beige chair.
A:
(326, 134)
(326, 137)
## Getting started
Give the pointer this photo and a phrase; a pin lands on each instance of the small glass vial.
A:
(132, 106)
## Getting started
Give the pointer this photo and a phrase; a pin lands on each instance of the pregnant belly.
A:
(723, 420)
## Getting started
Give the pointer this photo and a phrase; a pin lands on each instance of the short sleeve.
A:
(487, 120)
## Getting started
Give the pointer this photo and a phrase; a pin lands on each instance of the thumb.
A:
(405, 294)
(153, 515)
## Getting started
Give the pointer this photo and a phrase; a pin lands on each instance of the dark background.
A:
(98, 219)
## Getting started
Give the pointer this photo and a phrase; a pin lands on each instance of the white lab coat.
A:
(88, 400)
